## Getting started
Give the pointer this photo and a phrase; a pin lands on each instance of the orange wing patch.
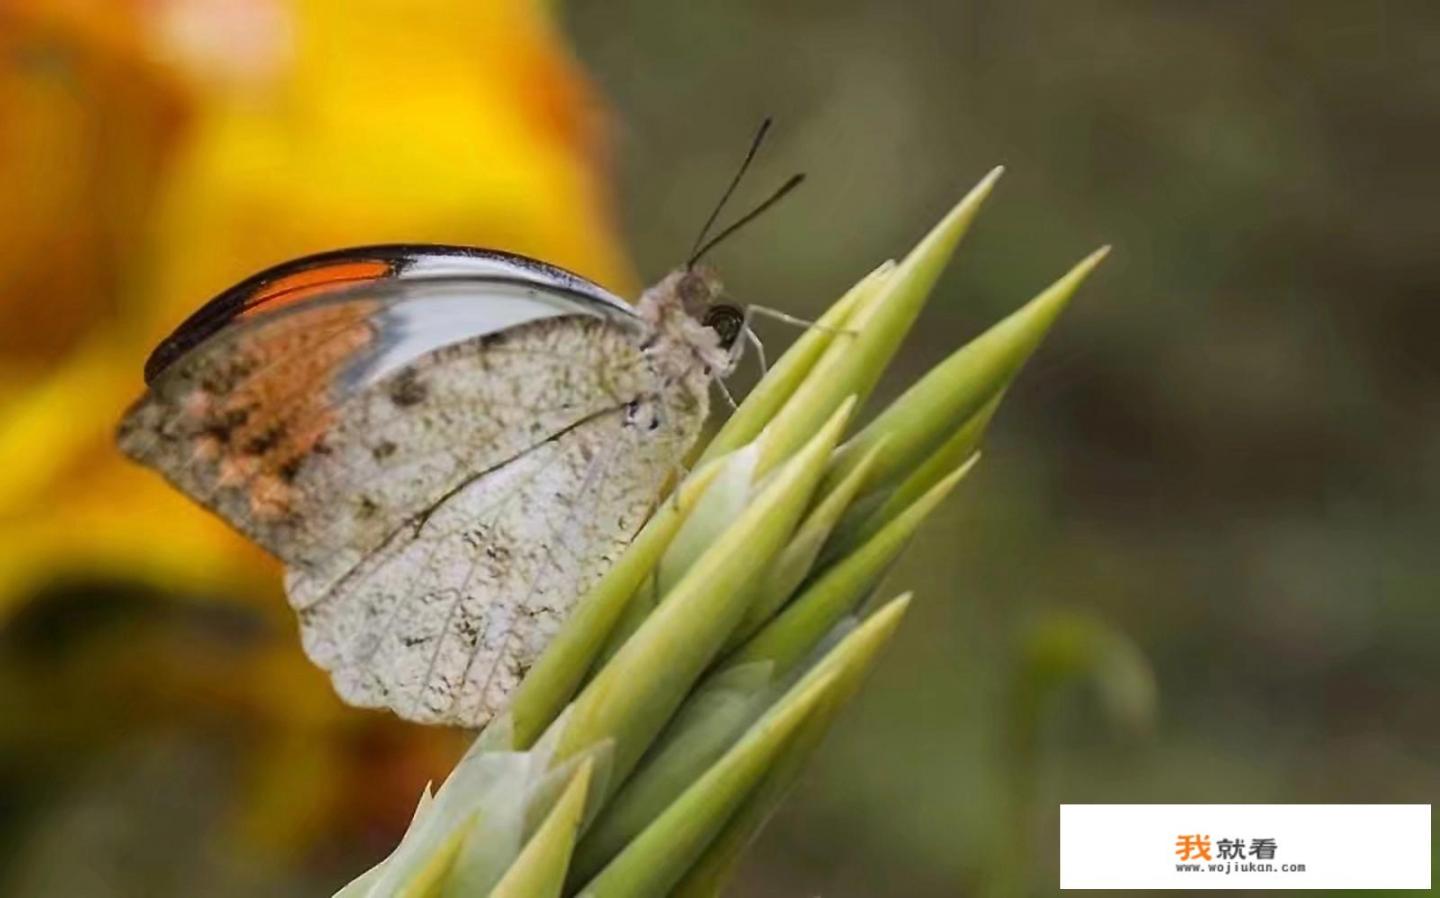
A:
(313, 281)
(265, 415)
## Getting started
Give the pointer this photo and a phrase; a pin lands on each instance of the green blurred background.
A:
(1197, 563)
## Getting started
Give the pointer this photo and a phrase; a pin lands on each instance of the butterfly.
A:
(445, 446)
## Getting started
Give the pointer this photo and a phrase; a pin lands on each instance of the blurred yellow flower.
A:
(152, 152)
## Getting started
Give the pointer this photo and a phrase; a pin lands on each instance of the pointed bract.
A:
(709, 874)
(660, 855)
(852, 366)
(917, 423)
(539, 871)
(839, 589)
(713, 718)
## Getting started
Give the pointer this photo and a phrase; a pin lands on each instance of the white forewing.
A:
(494, 266)
(435, 319)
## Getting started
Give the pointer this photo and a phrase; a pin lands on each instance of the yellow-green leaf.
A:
(853, 365)
(539, 871)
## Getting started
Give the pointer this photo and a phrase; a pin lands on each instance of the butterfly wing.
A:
(352, 430)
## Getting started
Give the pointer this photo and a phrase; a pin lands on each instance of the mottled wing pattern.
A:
(232, 424)
(443, 621)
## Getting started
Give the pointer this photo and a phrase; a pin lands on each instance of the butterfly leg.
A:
(759, 351)
(798, 322)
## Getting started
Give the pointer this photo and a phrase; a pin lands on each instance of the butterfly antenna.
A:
(734, 182)
(775, 197)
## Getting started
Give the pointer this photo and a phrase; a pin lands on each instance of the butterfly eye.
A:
(727, 321)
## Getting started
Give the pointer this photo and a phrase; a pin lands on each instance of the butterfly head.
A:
(699, 289)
